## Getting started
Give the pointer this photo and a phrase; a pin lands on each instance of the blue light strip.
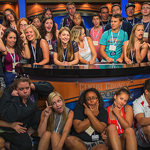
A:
(123, 4)
(22, 8)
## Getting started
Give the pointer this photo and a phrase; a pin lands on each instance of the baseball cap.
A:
(129, 5)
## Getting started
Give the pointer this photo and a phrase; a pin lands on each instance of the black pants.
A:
(22, 141)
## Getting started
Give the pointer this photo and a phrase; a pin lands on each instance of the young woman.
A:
(48, 13)
(77, 21)
(36, 22)
(49, 33)
(19, 103)
(135, 50)
(87, 52)
(90, 120)
(55, 124)
(15, 49)
(38, 47)
(9, 19)
(66, 52)
(21, 24)
(119, 135)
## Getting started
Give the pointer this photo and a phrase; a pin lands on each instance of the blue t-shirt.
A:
(106, 40)
(146, 25)
(126, 26)
(133, 21)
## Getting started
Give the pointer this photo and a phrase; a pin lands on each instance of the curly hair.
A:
(44, 11)
(43, 31)
(6, 22)
(18, 47)
(18, 24)
(83, 95)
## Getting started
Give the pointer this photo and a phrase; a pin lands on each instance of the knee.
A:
(46, 135)
(129, 132)
(55, 135)
(70, 142)
(112, 129)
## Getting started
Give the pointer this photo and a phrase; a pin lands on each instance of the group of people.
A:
(89, 126)
(40, 42)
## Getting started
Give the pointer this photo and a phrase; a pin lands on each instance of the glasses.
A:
(130, 9)
(47, 9)
(23, 25)
(145, 7)
(17, 77)
(91, 98)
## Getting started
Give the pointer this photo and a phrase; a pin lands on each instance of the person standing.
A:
(113, 40)
(129, 10)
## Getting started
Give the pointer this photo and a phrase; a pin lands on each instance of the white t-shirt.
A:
(140, 105)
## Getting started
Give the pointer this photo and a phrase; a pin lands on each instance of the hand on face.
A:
(116, 109)
(95, 109)
(87, 110)
(14, 93)
(47, 110)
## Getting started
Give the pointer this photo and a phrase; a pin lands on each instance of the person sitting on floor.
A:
(90, 120)
(141, 110)
(119, 135)
(55, 124)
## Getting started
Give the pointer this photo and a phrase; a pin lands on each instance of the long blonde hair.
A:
(70, 55)
(131, 41)
(76, 32)
(50, 123)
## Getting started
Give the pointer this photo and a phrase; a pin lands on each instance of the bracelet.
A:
(25, 43)
(107, 58)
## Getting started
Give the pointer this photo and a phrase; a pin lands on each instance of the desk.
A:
(71, 81)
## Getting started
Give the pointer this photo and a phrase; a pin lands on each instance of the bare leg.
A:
(99, 147)
(113, 141)
(2, 143)
(55, 138)
(128, 140)
(74, 143)
(44, 141)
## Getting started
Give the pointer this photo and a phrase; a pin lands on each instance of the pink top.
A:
(97, 37)
(8, 61)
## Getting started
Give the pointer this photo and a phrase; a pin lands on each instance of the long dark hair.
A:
(82, 24)
(83, 96)
(18, 47)
(43, 30)
(6, 22)
(44, 11)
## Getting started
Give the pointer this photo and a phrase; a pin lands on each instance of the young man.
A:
(96, 33)
(71, 9)
(104, 13)
(145, 10)
(112, 41)
(125, 26)
(141, 109)
(129, 10)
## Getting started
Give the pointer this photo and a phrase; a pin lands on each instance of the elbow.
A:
(39, 133)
